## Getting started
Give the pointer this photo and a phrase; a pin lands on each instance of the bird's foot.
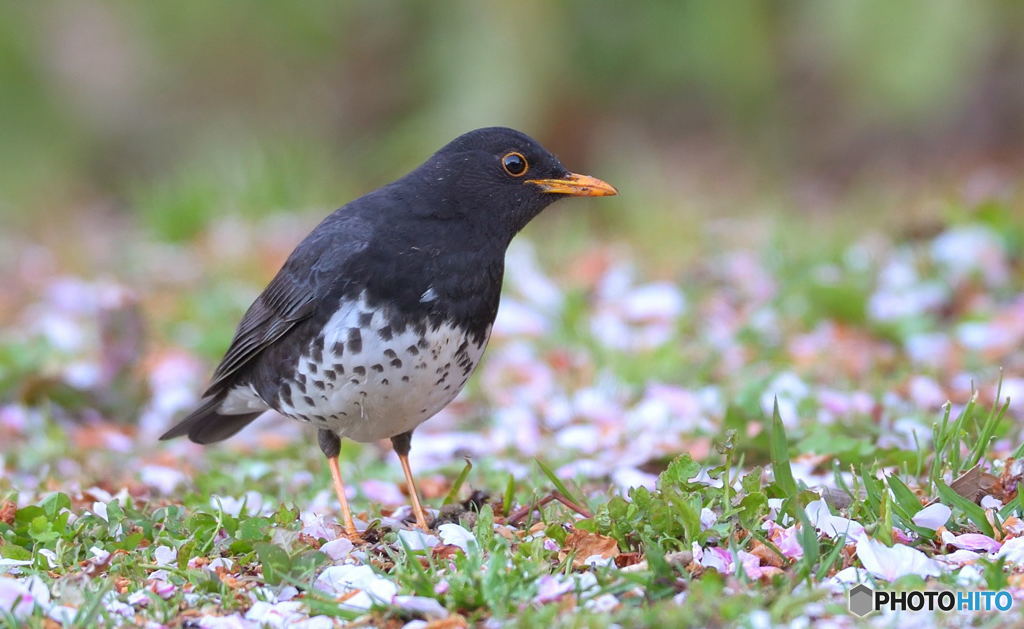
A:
(354, 537)
(421, 520)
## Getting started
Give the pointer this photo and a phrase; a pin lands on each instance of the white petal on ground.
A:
(846, 578)
(51, 557)
(220, 562)
(337, 549)
(552, 587)
(933, 516)
(707, 518)
(316, 525)
(455, 535)
(703, 478)
(990, 502)
(423, 605)
(958, 558)
(6, 564)
(626, 478)
(603, 604)
(163, 479)
(65, 615)
(114, 605)
(786, 539)
(597, 560)
(970, 576)
(139, 598)
(338, 580)
(15, 598)
(316, 622)
(234, 621)
(100, 509)
(251, 502)
(831, 525)
(418, 540)
(164, 555)
(893, 562)
(158, 575)
(971, 541)
(717, 558)
(163, 589)
(277, 615)
(1013, 551)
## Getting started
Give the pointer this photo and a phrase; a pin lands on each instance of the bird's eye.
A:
(515, 164)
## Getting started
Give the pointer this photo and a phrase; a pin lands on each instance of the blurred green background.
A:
(168, 115)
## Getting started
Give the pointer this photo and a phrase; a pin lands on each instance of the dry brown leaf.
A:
(230, 580)
(586, 544)
(1012, 525)
(7, 511)
(974, 483)
(454, 621)
(680, 557)
(766, 555)
(769, 572)
(537, 527)
(628, 559)
(445, 551)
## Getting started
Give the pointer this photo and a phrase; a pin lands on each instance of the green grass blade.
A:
(779, 453)
(808, 539)
(830, 559)
(884, 530)
(973, 512)
(989, 427)
(873, 489)
(89, 612)
(557, 482)
(1015, 505)
(940, 435)
(453, 493)
(510, 492)
(959, 434)
(905, 498)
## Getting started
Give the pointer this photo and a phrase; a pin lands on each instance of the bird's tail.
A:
(206, 425)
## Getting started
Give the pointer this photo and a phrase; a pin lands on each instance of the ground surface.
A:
(646, 397)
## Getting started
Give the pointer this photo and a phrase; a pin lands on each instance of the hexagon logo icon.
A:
(862, 600)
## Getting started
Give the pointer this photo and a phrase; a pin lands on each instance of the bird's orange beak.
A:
(576, 185)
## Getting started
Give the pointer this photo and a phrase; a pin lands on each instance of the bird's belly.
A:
(364, 381)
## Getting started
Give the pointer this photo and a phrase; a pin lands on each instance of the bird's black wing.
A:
(310, 273)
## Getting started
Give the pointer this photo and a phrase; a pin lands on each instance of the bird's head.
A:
(500, 178)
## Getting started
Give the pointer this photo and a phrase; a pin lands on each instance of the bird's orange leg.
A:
(417, 508)
(339, 489)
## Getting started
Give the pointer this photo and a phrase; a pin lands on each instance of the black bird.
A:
(380, 315)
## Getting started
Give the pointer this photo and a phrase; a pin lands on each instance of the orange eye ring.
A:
(515, 164)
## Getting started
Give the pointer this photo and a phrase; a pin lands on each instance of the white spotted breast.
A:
(365, 381)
